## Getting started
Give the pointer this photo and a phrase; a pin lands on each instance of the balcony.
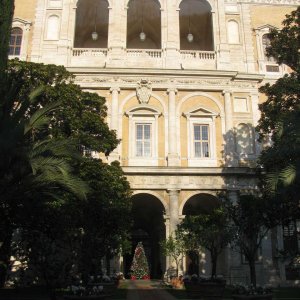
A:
(143, 58)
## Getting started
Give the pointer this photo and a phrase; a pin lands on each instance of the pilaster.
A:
(173, 208)
(173, 158)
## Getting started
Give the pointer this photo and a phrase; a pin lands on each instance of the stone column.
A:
(173, 159)
(229, 136)
(173, 208)
(114, 119)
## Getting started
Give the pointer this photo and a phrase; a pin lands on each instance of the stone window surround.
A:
(25, 26)
(49, 14)
(194, 118)
(138, 115)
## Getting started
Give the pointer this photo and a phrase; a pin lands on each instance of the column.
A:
(173, 159)
(230, 158)
(173, 209)
(114, 119)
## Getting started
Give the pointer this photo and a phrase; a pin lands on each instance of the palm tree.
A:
(33, 165)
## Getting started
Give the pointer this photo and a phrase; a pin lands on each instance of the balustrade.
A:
(89, 52)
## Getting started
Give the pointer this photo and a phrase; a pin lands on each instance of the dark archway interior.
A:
(195, 17)
(198, 204)
(144, 15)
(148, 228)
(88, 14)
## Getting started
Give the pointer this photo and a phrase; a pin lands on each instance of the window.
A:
(143, 140)
(143, 135)
(201, 140)
(290, 237)
(272, 67)
(201, 137)
(15, 41)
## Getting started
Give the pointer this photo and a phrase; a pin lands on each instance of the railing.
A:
(155, 53)
(199, 55)
(89, 52)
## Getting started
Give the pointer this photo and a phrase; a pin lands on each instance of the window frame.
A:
(143, 115)
(206, 117)
(15, 45)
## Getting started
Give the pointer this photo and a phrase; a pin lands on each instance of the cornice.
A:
(179, 171)
(269, 2)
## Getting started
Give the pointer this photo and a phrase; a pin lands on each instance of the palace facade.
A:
(181, 81)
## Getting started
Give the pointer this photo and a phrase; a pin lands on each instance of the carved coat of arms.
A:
(143, 91)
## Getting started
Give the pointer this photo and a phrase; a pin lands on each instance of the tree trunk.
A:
(214, 258)
(252, 271)
(6, 15)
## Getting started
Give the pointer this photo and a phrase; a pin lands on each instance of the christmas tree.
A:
(139, 267)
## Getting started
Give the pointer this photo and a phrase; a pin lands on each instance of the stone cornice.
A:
(189, 171)
(213, 80)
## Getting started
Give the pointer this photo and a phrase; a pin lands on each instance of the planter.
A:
(177, 283)
(209, 290)
(253, 297)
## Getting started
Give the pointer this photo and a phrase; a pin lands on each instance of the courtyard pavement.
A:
(147, 290)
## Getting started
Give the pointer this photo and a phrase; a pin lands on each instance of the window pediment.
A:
(143, 110)
(200, 112)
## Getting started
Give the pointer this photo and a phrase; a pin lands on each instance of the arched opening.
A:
(144, 24)
(148, 228)
(199, 204)
(91, 29)
(196, 27)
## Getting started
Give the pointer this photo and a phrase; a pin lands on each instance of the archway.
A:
(91, 29)
(148, 228)
(144, 24)
(195, 205)
(196, 27)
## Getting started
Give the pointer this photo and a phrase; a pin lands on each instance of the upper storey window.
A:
(201, 140)
(143, 24)
(15, 41)
(266, 42)
(91, 29)
(196, 28)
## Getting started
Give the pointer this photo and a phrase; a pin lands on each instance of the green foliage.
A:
(211, 231)
(280, 120)
(139, 267)
(174, 247)
(251, 217)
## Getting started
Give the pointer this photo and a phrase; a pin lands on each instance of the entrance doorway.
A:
(148, 228)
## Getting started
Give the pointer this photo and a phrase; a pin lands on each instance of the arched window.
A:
(91, 29)
(196, 28)
(53, 25)
(15, 41)
(143, 24)
(233, 32)
(243, 139)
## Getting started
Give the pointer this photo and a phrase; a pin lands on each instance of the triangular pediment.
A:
(201, 112)
(143, 110)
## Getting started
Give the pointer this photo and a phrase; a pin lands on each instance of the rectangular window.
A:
(201, 140)
(143, 140)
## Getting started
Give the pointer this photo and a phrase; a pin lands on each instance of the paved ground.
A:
(147, 290)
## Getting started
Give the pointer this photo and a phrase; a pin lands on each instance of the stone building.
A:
(181, 80)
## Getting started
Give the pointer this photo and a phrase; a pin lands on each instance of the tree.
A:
(175, 248)
(252, 217)
(280, 117)
(6, 15)
(211, 231)
(71, 119)
(139, 267)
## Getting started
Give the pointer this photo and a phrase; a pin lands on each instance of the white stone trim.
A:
(25, 26)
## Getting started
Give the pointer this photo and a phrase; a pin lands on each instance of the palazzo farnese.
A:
(181, 81)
